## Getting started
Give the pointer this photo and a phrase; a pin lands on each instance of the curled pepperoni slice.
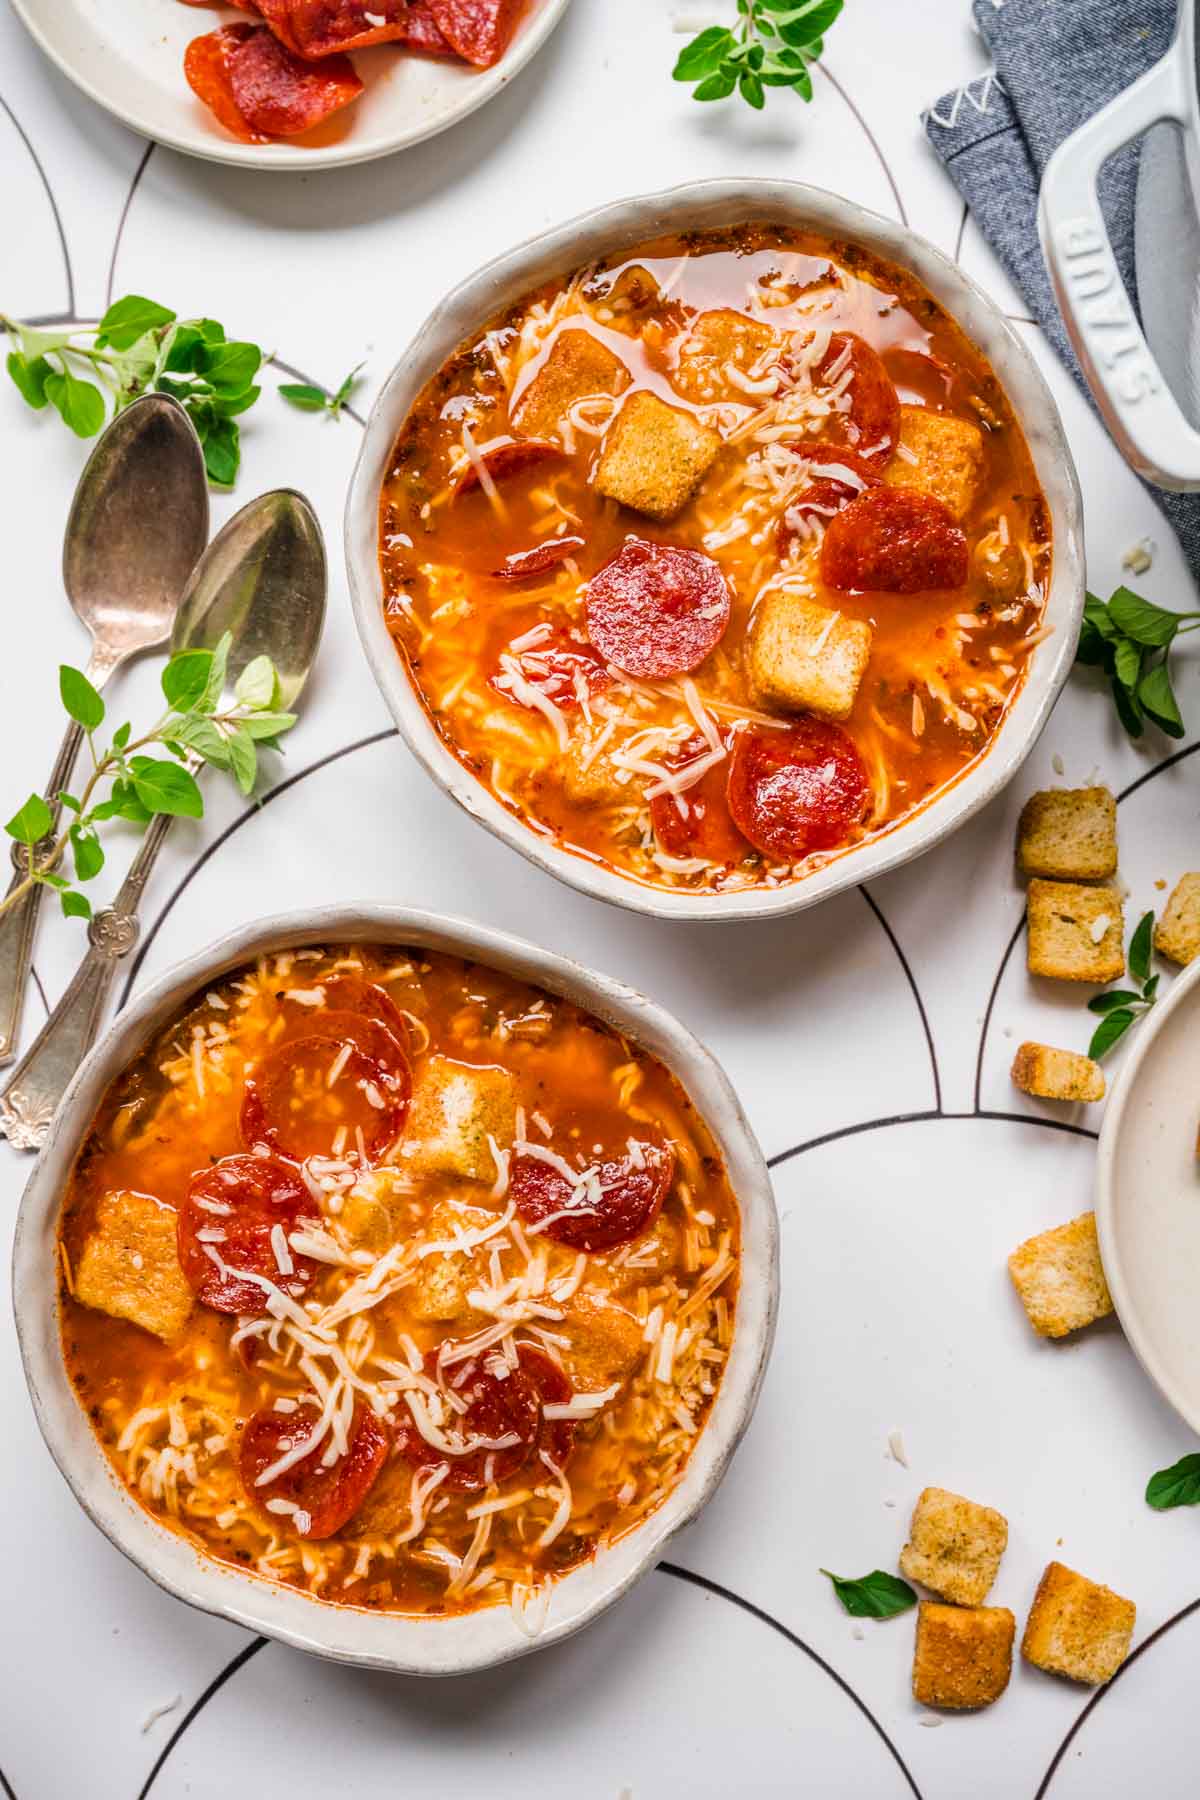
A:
(315, 1095)
(206, 66)
(321, 27)
(228, 1230)
(872, 425)
(616, 1197)
(657, 609)
(836, 477)
(894, 540)
(920, 379)
(277, 92)
(484, 1425)
(511, 458)
(796, 791)
(702, 826)
(564, 670)
(318, 1501)
(480, 30)
(523, 564)
(277, 14)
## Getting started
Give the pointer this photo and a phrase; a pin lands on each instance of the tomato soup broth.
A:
(716, 558)
(393, 1279)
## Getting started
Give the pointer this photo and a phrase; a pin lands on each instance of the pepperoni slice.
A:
(561, 668)
(511, 458)
(919, 378)
(619, 1203)
(894, 540)
(206, 66)
(325, 1499)
(838, 476)
(703, 826)
(491, 1440)
(657, 609)
(523, 564)
(245, 1198)
(480, 30)
(556, 1436)
(277, 92)
(322, 27)
(872, 425)
(353, 1008)
(314, 1095)
(792, 792)
(277, 14)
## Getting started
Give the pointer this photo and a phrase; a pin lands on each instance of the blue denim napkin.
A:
(1056, 63)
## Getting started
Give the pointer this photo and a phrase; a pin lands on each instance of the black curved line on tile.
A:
(222, 837)
(45, 181)
(37, 982)
(962, 231)
(827, 72)
(214, 1687)
(894, 941)
(1139, 781)
(1100, 1692)
(6, 1787)
(147, 153)
(765, 1618)
(687, 1575)
(926, 1118)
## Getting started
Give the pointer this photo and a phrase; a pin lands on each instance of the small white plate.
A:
(128, 58)
(1148, 1196)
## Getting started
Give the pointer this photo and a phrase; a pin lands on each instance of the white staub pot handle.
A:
(1128, 385)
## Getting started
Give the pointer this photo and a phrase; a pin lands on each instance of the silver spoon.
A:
(263, 579)
(138, 522)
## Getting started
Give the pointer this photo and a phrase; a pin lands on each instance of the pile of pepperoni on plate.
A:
(284, 70)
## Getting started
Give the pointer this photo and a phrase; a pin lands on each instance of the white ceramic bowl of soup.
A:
(699, 206)
(402, 1643)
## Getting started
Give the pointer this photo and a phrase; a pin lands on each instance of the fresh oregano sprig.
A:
(127, 782)
(874, 1596)
(1122, 1007)
(314, 399)
(771, 45)
(1130, 639)
(140, 347)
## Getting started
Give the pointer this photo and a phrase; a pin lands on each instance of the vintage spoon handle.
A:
(18, 926)
(44, 1073)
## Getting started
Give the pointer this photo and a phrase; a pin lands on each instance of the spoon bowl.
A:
(138, 523)
(263, 580)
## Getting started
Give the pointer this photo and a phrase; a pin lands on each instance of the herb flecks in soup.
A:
(717, 558)
(396, 1280)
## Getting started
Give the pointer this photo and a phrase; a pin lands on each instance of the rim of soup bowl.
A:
(702, 205)
(401, 1643)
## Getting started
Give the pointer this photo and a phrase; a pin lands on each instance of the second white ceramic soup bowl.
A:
(705, 206)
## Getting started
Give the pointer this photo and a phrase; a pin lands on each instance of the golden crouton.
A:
(455, 1108)
(1077, 1628)
(443, 1281)
(586, 778)
(948, 456)
(605, 1342)
(717, 341)
(578, 367)
(129, 1266)
(801, 657)
(1177, 934)
(1052, 1074)
(656, 1251)
(954, 1546)
(654, 456)
(1069, 834)
(1060, 1278)
(1075, 933)
(963, 1655)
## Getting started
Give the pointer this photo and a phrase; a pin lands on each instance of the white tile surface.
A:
(897, 1311)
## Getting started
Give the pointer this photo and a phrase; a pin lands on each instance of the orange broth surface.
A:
(740, 330)
(411, 1277)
